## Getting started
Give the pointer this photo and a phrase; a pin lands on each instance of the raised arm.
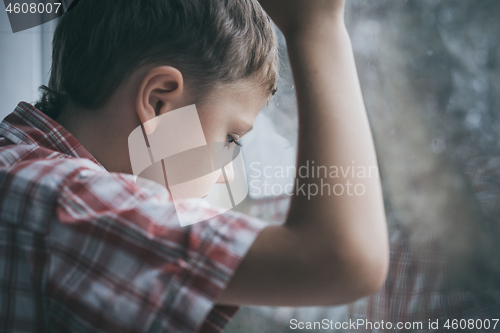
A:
(332, 248)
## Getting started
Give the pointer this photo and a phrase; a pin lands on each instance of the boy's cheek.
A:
(196, 188)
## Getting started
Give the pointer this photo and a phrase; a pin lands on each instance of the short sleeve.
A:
(121, 262)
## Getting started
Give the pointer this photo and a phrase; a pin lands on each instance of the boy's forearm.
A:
(334, 132)
(333, 248)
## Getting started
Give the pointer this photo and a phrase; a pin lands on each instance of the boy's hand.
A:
(293, 15)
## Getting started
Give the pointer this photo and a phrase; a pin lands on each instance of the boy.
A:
(84, 249)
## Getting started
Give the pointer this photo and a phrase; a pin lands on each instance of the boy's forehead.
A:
(241, 104)
(233, 98)
(246, 92)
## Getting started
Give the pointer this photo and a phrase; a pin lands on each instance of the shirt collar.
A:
(28, 125)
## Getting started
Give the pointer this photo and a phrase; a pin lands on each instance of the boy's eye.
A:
(231, 139)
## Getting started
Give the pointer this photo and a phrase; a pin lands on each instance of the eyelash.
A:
(230, 139)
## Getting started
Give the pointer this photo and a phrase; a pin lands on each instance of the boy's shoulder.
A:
(33, 162)
(31, 178)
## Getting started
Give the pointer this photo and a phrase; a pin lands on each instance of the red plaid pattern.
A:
(85, 250)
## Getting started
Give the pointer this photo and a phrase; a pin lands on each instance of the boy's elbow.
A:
(368, 273)
(362, 274)
(375, 272)
(370, 262)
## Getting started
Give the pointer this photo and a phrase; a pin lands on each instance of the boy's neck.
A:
(102, 131)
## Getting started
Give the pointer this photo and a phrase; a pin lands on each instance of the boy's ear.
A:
(160, 91)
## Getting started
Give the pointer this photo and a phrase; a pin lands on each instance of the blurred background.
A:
(24, 62)
(430, 74)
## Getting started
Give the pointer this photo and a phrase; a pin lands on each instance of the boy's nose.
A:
(228, 169)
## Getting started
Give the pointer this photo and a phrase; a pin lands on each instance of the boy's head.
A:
(99, 43)
(158, 55)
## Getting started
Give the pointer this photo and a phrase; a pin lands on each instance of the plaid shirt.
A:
(85, 250)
